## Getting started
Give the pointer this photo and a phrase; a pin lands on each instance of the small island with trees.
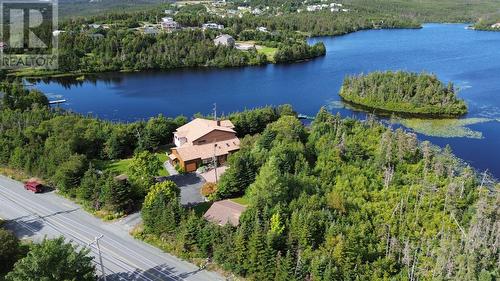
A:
(416, 94)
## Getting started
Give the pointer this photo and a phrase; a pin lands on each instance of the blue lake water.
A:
(471, 59)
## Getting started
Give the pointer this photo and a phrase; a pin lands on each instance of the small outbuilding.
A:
(224, 212)
(225, 40)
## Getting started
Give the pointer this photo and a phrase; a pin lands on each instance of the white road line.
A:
(74, 236)
(60, 220)
(27, 226)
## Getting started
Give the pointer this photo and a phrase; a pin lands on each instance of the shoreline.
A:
(31, 75)
(35, 75)
(402, 114)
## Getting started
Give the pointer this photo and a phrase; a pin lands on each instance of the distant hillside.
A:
(423, 10)
(434, 11)
(92, 7)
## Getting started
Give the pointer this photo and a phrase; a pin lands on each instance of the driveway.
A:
(190, 185)
(209, 176)
(170, 169)
(34, 216)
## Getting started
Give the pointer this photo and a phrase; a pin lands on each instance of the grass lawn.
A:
(121, 166)
(162, 155)
(117, 166)
(241, 200)
(268, 51)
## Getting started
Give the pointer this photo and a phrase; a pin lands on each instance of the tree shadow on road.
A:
(27, 226)
(160, 272)
(30, 225)
(185, 179)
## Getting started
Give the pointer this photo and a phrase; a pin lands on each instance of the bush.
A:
(208, 188)
(180, 169)
(10, 250)
(54, 260)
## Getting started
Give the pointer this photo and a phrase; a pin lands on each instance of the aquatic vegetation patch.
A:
(335, 104)
(489, 111)
(445, 128)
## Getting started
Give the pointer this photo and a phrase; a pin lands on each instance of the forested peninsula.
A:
(132, 41)
(419, 94)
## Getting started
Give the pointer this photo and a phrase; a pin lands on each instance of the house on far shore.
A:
(94, 25)
(496, 25)
(224, 212)
(212, 25)
(199, 141)
(225, 40)
(168, 24)
(151, 30)
(262, 29)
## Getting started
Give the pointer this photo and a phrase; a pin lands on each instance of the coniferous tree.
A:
(257, 253)
(161, 211)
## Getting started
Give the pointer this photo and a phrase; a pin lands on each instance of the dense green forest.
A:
(433, 11)
(341, 200)
(123, 47)
(403, 92)
(131, 50)
(422, 10)
(71, 8)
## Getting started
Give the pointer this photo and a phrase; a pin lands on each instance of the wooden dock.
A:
(57, 101)
(303, 116)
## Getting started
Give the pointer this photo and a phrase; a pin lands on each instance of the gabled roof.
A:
(225, 211)
(200, 127)
(205, 151)
(224, 37)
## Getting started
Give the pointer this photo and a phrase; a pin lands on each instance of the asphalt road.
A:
(35, 216)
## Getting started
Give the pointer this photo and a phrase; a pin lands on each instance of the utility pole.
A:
(215, 162)
(214, 159)
(96, 241)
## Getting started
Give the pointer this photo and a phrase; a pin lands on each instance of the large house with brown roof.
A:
(197, 142)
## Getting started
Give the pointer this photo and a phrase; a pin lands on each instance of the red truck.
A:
(33, 186)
